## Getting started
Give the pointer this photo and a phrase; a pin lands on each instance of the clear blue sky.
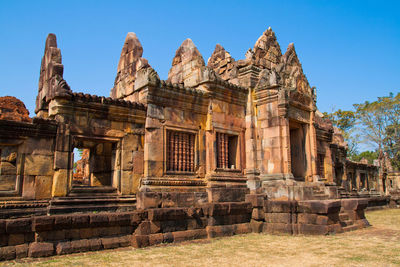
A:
(350, 50)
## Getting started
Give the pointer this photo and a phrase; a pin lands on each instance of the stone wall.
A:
(42, 236)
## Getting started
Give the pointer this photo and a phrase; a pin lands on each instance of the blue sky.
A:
(350, 50)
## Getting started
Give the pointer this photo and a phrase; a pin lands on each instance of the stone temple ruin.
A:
(226, 148)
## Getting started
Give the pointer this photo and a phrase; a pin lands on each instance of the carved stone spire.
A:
(51, 82)
(222, 63)
(292, 73)
(186, 65)
(266, 51)
(130, 63)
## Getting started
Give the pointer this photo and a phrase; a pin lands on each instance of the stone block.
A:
(140, 241)
(14, 226)
(98, 220)
(7, 253)
(220, 230)
(43, 187)
(307, 218)
(60, 160)
(286, 218)
(256, 200)
(167, 214)
(81, 245)
(349, 204)
(3, 240)
(215, 209)
(64, 248)
(110, 242)
(258, 214)
(168, 237)
(138, 216)
(38, 165)
(319, 206)
(16, 239)
(243, 228)
(42, 249)
(155, 239)
(227, 195)
(280, 206)
(236, 208)
(2, 227)
(72, 234)
(119, 219)
(95, 244)
(86, 232)
(60, 183)
(21, 251)
(173, 226)
(189, 235)
(62, 222)
(148, 200)
(256, 226)
(277, 228)
(313, 229)
(143, 228)
(42, 223)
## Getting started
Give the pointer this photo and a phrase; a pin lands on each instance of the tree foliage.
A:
(374, 123)
(379, 125)
(346, 121)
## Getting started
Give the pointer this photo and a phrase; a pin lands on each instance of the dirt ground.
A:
(378, 245)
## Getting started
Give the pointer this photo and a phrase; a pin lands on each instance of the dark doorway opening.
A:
(297, 150)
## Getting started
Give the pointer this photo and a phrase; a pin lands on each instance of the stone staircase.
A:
(346, 223)
(22, 208)
(319, 193)
(92, 199)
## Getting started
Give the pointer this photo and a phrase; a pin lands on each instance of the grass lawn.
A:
(378, 245)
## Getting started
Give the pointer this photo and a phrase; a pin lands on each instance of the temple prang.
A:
(228, 147)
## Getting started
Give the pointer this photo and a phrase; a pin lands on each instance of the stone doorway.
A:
(94, 163)
(297, 150)
(339, 174)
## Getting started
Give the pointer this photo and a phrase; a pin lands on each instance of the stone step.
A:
(350, 228)
(19, 212)
(63, 209)
(343, 216)
(93, 190)
(346, 223)
(95, 201)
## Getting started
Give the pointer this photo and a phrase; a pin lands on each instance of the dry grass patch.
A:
(378, 245)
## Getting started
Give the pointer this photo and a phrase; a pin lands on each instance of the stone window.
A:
(320, 165)
(180, 151)
(226, 151)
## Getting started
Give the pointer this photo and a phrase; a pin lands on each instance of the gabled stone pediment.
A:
(292, 73)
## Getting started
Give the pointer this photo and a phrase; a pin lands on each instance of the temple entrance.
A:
(339, 174)
(93, 163)
(363, 181)
(297, 150)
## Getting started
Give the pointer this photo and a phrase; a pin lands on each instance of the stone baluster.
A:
(171, 151)
(191, 153)
(226, 151)
(175, 151)
(180, 152)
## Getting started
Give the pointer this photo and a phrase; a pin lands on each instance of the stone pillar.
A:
(63, 165)
(252, 172)
(313, 149)
(357, 177)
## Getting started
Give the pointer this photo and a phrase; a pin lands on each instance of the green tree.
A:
(369, 155)
(346, 121)
(379, 123)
